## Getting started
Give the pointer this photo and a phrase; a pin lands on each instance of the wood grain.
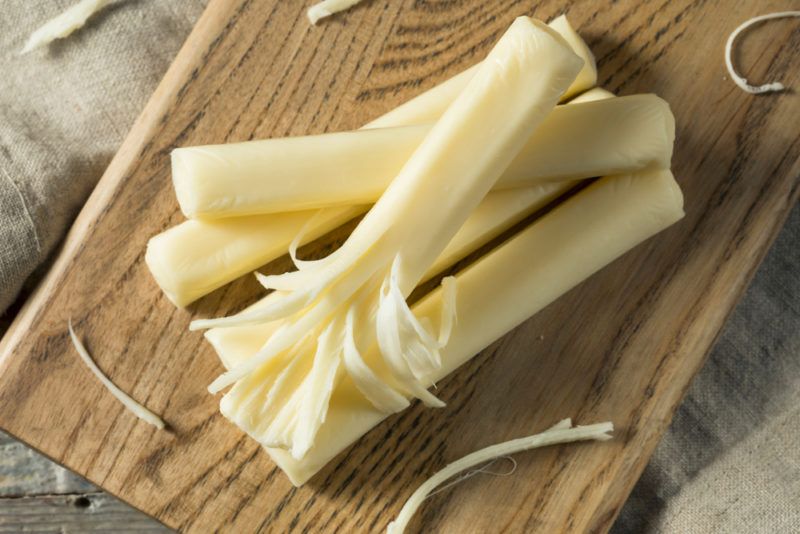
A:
(622, 346)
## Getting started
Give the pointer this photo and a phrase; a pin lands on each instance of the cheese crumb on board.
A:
(64, 24)
(563, 432)
(140, 411)
(741, 81)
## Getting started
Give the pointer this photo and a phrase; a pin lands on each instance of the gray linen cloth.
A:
(730, 461)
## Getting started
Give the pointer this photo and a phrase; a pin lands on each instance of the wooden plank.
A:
(622, 346)
(92, 512)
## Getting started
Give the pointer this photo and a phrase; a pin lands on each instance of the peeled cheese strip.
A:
(563, 432)
(501, 290)
(64, 24)
(428, 106)
(138, 410)
(576, 141)
(739, 80)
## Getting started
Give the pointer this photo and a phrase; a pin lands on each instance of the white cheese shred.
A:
(772, 87)
(563, 432)
(64, 24)
(326, 8)
(140, 411)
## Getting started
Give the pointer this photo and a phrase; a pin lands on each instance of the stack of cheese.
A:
(334, 348)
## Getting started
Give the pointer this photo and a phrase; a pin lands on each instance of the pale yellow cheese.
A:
(515, 281)
(428, 106)
(577, 141)
(562, 432)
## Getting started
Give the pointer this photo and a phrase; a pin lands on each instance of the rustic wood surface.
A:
(37, 495)
(622, 346)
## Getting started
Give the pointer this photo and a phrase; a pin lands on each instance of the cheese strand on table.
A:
(575, 141)
(503, 289)
(562, 432)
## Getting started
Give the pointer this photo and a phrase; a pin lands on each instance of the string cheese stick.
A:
(428, 106)
(563, 432)
(64, 24)
(275, 175)
(575, 141)
(138, 410)
(507, 286)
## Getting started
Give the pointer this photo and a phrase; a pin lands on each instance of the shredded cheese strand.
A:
(64, 24)
(326, 8)
(563, 432)
(140, 411)
(741, 81)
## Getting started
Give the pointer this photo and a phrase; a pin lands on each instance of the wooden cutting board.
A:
(622, 346)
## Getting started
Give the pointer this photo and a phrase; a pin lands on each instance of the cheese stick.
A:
(432, 196)
(576, 141)
(504, 288)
